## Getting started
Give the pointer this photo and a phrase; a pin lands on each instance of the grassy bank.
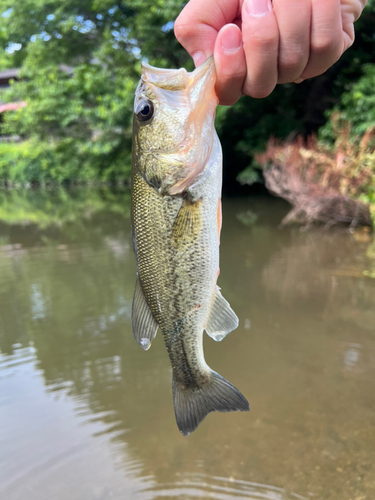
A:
(41, 163)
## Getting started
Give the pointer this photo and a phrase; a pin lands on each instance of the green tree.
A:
(357, 105)
(80, 66)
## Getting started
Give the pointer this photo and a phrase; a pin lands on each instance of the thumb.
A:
(198, 25)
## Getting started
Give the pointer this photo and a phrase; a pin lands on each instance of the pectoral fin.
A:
(143, 322)
(222, 319)
(188, 222)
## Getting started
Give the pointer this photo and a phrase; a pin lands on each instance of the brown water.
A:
(85, 414)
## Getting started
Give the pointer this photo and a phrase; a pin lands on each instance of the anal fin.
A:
(143, 322)
(222, 319)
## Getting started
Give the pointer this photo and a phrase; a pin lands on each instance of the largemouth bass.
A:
(176, 223)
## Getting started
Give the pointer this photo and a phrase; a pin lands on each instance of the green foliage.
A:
(250, 175)
(25, 162)
(81, 62)
(80, 66)
(357, 106)
(81, 124)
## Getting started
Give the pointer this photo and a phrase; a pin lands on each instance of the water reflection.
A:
(352, 355)
(85, 413)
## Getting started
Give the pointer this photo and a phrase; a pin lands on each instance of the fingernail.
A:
(231, 40)
(299, 80)
(258, 8)
(198, 58)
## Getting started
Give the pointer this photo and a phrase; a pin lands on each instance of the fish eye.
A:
(144, 111)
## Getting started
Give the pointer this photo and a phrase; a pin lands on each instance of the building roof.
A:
(7, 74)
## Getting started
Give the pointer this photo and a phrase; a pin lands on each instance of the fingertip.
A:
(260, 35)
(198, 57)
(230, 39)
(230, 64)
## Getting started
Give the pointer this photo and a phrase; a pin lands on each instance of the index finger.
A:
(198, 25)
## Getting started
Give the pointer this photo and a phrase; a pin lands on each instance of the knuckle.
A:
(261, 39)
(291, 66)
(326, 44)
(292, 62)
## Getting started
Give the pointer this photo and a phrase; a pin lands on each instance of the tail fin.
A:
(192, 405)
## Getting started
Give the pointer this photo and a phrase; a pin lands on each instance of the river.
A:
(86, 414)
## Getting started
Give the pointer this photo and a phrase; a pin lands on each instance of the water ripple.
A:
(220, 488)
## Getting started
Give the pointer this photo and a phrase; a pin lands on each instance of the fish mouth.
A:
(178, 79)
(203, 72)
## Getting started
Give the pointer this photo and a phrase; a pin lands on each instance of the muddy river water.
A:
(85, 414)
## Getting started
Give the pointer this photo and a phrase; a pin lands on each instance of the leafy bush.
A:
(357, 106)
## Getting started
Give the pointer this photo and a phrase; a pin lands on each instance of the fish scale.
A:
(176, 220)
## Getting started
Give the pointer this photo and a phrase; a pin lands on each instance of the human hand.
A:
(257, 44)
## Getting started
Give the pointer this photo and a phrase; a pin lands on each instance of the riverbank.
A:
(332, 184)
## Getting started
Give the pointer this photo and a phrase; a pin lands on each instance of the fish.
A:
(176, 222)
